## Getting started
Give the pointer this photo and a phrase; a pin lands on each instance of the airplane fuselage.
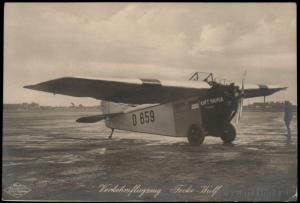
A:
(210, 111)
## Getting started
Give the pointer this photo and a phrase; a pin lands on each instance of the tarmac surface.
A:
(48, 156)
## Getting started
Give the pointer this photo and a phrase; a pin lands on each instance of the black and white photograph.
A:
(111, 101)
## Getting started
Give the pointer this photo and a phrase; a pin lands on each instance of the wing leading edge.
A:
(131, 91)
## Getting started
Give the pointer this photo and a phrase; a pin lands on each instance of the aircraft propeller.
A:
(240, 101)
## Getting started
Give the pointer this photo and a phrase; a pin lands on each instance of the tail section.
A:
(109, 109)
(112, 107)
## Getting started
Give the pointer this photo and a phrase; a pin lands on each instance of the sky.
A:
(44, 41)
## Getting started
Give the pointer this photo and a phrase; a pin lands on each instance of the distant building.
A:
(21, 107)
(11, 106)
(36, 107)
(268, 106)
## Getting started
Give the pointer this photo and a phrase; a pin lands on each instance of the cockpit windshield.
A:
(203, 76)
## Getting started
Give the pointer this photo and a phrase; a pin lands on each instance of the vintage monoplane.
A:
(194, 109)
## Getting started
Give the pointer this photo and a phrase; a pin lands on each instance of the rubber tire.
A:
(228, 133)
(195, 135)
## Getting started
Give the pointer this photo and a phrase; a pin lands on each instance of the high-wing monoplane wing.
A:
(131, 91)
(138, 91)
(260, 90)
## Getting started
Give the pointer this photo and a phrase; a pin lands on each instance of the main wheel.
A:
(195, 135)
(228, 133)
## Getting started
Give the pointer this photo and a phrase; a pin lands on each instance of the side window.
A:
(193, 105)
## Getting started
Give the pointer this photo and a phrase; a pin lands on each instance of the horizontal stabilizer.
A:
(96, 118)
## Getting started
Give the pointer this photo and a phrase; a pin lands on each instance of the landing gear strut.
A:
(195, 135)
(112, 131)
(228, 133)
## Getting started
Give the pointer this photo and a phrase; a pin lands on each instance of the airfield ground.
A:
(48, 156)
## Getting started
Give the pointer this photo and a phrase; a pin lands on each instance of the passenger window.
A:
(193, 105)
